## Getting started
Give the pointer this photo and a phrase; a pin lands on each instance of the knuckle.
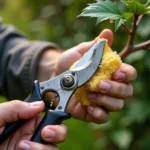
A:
(120, 105)
(130, 90)
(123, 89)
(55, 148)
(120, 90)
(48, 147)
(61, 133)
(82, 44)
(103, 116)
(43, 148)
(16, 108)
(16, 103)
(104, 98)
(133, 74)
(63, 136)
(117, 87)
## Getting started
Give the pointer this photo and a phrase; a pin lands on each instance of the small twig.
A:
(144, 45)
(141, 46)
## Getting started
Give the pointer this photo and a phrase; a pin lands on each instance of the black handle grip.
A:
(50, 118)
(12, 127)
(35, 94)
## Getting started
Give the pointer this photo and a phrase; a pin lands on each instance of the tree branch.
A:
(130, 48)
(129, 44)
(144, 45)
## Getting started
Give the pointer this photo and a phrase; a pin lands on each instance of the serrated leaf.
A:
(136, 7)
(118, 23)
(104, 10)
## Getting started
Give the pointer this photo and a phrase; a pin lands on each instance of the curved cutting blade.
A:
(88, 64)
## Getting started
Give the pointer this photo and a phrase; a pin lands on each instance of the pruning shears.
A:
(63, 85)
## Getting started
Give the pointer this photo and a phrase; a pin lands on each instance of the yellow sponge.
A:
(109, 64)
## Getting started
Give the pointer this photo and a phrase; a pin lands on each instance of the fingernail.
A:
(37, 103)
(92, 96)
(50, 134)
(90, 109)
(104, 86)
(24, 146)
(120, 76)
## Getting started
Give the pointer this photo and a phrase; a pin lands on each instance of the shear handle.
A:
(50, 118)
(12, 127)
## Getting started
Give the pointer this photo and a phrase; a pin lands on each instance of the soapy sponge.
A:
(109, 64)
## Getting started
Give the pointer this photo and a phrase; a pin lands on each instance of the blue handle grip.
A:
(50, 118)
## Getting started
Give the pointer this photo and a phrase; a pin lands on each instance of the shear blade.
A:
(85, 59)
(88, 64)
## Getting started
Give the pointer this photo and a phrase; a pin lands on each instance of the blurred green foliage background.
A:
(56, 20)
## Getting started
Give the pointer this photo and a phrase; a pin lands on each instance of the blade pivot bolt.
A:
(68, 81)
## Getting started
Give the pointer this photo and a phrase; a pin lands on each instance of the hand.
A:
(67, 58)
(112, 94)
(15, 110)
(109, 99)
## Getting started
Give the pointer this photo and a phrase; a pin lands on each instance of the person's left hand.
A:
(111, 94)
(111, 97)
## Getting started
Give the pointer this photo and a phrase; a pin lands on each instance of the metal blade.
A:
(89, 65)
(85, 59)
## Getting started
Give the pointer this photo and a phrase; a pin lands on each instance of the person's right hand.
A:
(15, 110)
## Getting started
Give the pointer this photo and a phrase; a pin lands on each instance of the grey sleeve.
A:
(18, 62)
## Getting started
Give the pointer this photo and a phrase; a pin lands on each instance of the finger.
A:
(106, 34)
(125, 74)
(110, 103)
(83, 47)
(116, 89)
(27, 145)
(97, 115)
(54, 133)
(15, 110)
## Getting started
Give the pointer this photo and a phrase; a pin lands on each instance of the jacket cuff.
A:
(30, 68)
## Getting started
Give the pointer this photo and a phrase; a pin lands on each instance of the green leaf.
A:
(118, 23)
(104, 10)
(136, 7)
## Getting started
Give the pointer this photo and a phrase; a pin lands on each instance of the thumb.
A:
(106, 34)
(83, 47)
(15, 110)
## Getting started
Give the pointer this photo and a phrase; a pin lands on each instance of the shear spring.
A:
(53, 100)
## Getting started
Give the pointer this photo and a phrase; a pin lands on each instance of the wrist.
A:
(47, 64)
